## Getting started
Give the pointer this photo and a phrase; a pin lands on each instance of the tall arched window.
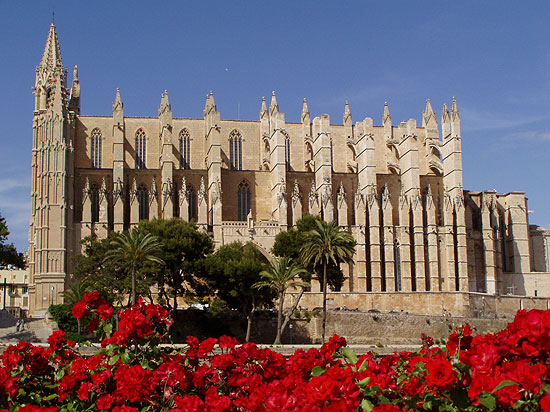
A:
(243, 200)
(141, 149)
(143, 201)
(287, 150)
(192, 202)
(185, 149)
(236, 150)
(94, 200)
(96, 148)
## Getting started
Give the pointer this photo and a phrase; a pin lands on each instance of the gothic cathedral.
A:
(421, 238)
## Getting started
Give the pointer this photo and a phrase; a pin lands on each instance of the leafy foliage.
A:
(281, 274)
(322, 245)
(132, 250)
(232, 271)
(8, 253)
(289, 244)
(183, 251)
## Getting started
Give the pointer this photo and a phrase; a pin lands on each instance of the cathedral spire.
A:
(263, 109)
(74, 102)
(273, 107)
(51, 58)
(347, 113)
(164, 103)
(454, 111)
(386, 116)
(445, 115)
(428, 116)
(210, 105)
(118, 105)
(305, 111)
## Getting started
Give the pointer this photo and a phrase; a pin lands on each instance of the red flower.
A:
(441, 374)
(545, 403)
(105, 311)
(80, 310)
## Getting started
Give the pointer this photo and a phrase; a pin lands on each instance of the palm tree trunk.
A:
(280, 319)
(134, 293)
(249, 321)
(324, 302)
(292, 309)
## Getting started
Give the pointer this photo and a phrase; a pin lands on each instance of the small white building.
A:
(14, 291)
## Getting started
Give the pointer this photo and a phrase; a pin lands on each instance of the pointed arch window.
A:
(192, 202)
(185, 149)
(143, 202)
(141, 149)
(287, 150)
(243, 200)
(96, 148)
(94, 200)
(236, 150)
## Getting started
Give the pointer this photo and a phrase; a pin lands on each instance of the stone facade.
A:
(396, 187)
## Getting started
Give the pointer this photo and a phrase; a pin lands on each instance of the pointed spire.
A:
(117, 105)
(164, 103)
(51, 58)
(428, 114)
(74, 103)
(454, 111)
(347, 113)
(386, 116)
(210, 104)
(305, 110)
(263, 109)
(273, 107)
(445, 114)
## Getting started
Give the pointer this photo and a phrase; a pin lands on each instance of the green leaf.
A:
(108, 328)
(503, 384)
(350, 355)
(364, 366)
(114, 360)
(402, 378)
(50, 397)
(488, 400)
(317, 371)
(364, 382)
(125, 357)
(366, 405)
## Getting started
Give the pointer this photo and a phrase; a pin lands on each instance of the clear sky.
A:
(494, 56)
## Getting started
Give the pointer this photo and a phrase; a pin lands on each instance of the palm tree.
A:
(327, 242)
(133, 248)
(280, 275)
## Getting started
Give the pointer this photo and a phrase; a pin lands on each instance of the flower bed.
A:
(504, 371)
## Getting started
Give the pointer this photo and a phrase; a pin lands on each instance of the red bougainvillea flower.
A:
(105, 311)
(80, 310)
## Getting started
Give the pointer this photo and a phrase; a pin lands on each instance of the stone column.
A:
(374, 241)
(431, 234)
(448, 263)
(323, 166)
(488, 243)
(359, 232)
(166, 158)
(388, 240)
(404, 244)
(184, 200)
(118, 164)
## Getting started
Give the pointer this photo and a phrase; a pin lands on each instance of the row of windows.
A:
(243, 196)
(235, 149)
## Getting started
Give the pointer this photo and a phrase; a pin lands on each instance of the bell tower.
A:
(52, 180)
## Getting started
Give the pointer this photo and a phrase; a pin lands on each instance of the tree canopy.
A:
(8, 253)
(289, 243)
(183, 251)
(231, 273)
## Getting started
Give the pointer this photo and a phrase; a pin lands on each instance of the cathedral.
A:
(424, 243)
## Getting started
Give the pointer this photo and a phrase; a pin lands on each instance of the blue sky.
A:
(494, 56)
